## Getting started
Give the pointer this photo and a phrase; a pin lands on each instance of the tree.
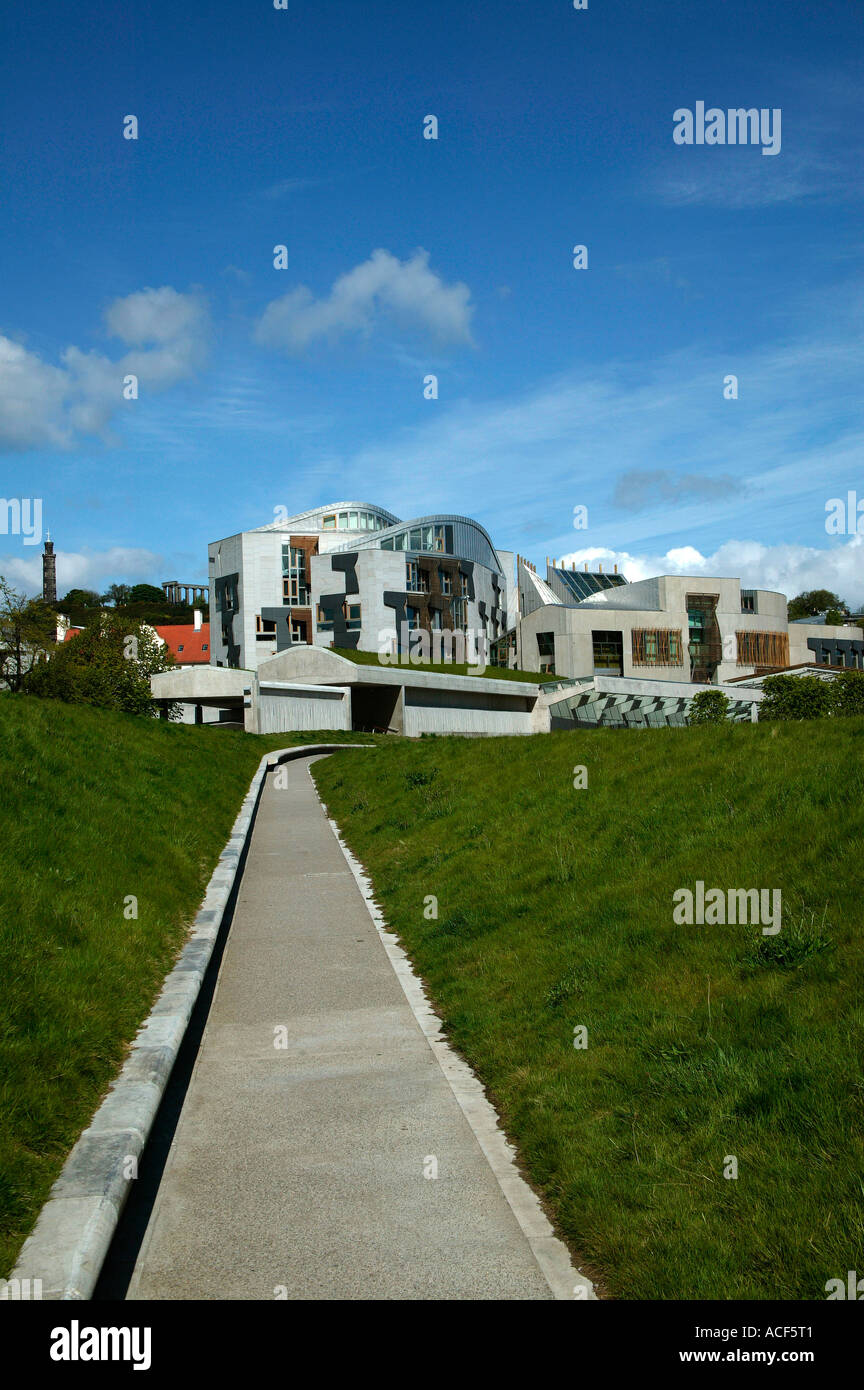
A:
(815, 601)
(28, 630)
(108, 664)
(709, 707)
(81, 598)
(145, 593)
(118, 594)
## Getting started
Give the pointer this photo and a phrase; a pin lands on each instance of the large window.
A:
(748, 601)
(657, 647)
(295, 585)
(608, 652)
(460, 614)
(770, 649)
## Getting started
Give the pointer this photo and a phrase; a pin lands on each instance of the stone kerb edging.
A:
(67, 1247)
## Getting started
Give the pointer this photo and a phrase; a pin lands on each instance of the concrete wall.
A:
(278, 710)
(377, 571)
(800, 633)
(428, 711)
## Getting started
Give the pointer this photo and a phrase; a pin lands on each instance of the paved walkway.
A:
(302, 1168)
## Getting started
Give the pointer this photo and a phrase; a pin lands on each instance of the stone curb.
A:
(564, 1280)
(67, 1247)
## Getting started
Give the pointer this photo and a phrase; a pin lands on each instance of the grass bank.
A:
(96, 808)
(453, 668)
(705, 1043)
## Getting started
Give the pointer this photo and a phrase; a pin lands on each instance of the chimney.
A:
(197, 620)
(599, 569)
(616, 569)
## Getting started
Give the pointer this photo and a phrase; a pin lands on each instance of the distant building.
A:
(345, 575)
(49, 572)
(704, 631)
(353, 577)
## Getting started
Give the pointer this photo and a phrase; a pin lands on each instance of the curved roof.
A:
(312, 514)
(376, 541)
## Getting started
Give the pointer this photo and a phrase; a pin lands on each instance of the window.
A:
(608, 652)
(180, 647)
(205, 647)
(412, 577)
(435, 623)
(769, 649)
(460, 614)
(748, 601)
(656, 647)
(412, 617)
(298, 631)
(343, 521)
(265, 628)
(353, 523)
(416, 541)
(295, 587)
(354, 619)
(327, 616)
(546, 643)
(328, 523)
(445, 581)
(227, 593)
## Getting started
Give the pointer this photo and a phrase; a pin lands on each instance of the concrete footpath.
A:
(298, 1170)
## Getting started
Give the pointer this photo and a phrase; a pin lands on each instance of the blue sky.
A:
(303, 127)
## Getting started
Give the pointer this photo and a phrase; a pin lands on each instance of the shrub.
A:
(709, 707)
(810, 697)
(108, 665)
(847, 693)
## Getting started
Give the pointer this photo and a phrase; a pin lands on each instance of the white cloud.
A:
(87, 569)
(406, 290)
(788, 569)
(43, 405)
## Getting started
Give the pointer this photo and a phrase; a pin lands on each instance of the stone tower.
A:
(49, 572)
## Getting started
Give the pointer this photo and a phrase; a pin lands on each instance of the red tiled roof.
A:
(190, 648)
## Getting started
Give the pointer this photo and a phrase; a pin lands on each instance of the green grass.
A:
(555, 910)
(497, 673)
(95, 807)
